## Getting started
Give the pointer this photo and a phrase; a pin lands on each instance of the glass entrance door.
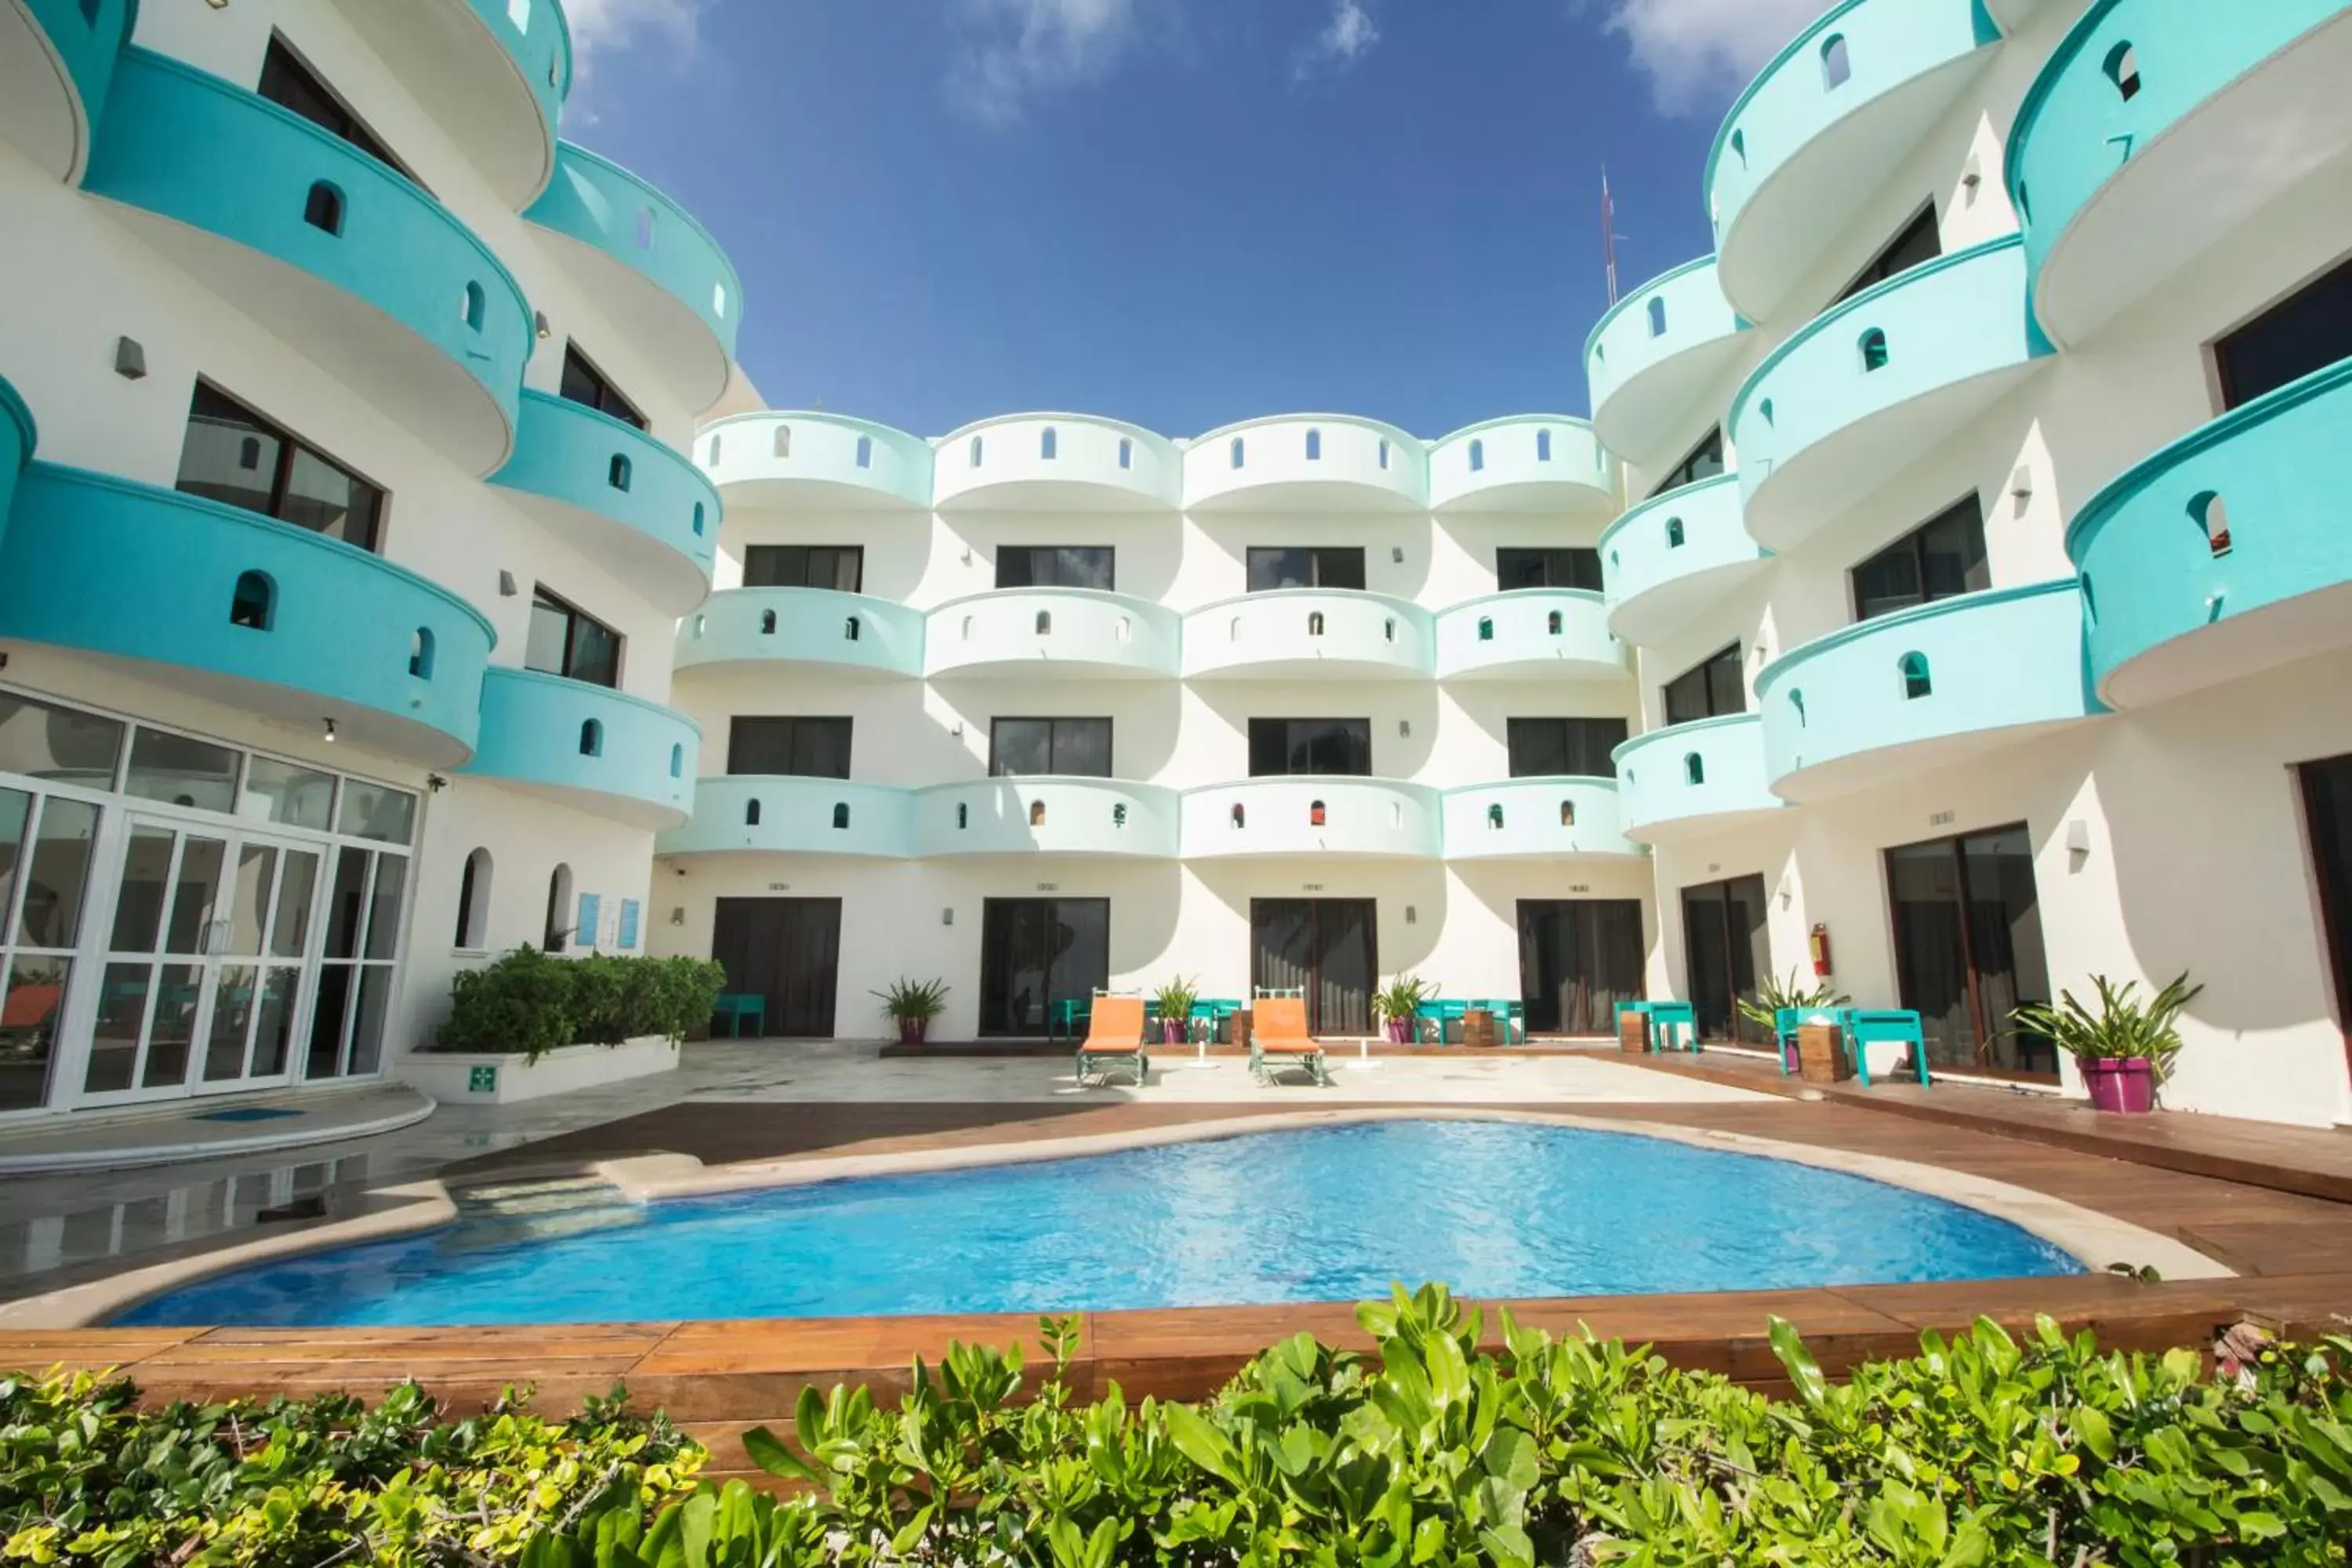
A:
(1726, 948)
(2327, 816)
(1034, 953)
(1578, 959)
(1967, 949)
(1323, 947)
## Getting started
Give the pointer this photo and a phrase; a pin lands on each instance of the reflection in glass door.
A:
(362, 918)
(1967, 949)
(1727, 947)
(44, 850)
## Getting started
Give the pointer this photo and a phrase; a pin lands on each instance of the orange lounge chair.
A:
(1114, 1038)
(1279, 1035)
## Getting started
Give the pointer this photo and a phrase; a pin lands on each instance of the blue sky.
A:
(1176, 211)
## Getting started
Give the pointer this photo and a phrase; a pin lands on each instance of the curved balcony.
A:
(653, 271)
(492, 74)
(1670, 560)
(1534, 819)
(1687, 781)
(1289, 633)
(1055, 462)
(1528, 634)
(57, 57)
(1649, 360)
(617, 494)
(19, 437)
(1311, 817)
(1050, 815)
(768, 814)
(589, 747)
(1306, 462)
(2227, 553)
(1527, 462)
(840, 633)
(1824, 126)
(385, 291)
(815, 462)
(1050, 633)
(1869, 388)
(1923, 688)
(236, 608)
(2154, 110)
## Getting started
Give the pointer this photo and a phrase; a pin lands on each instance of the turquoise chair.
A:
(1673, 1026)
(1898, 1025)
(739, 1007)
(1210, 1016)
(1513, 1014)
(1437, 1016)
(1067, 1018)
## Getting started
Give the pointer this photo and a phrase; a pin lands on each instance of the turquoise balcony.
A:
(18, 436)
(1528, 634)
(589, 747)
(57, 57)
(1670, 560)
(1311, 818)
(1046, 817)
(815, 462)
(1687, 781)
(1306, 462)
(1055, 462)
(617, 495)
(232, 607)
(1868, 389)
(1529, 463)
(1534, 819)
(1922, 689)
(1048, 634)
(1824, 127)
(384, 289)
(2227, 553)
(2160, 126)
(763, 814)
(1295, 633)
(1651, 359)
(653, 271)
(832, 633)
(491, 74)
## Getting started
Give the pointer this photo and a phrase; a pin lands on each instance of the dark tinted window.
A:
(1704, 462)
(1942, 557)
(1279, 746)
(1329, 566)
(286, 81)
(2308, 330)
(232, 454)
(1080, 747)
(1709, 690)
(564, 641)
(836, 566)
(1056, 566)
(805, 748)
(583, 382)
(1919, 241)
(1573, 567)
(1565, 748)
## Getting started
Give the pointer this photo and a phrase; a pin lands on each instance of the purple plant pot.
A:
(1172, 1032)
(912, 1030)
(2125, 1085)
(1399, 1031)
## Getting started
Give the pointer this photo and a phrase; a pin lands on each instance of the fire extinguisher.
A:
(1819, 944)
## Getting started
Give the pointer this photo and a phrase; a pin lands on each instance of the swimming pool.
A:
(1491, 1208)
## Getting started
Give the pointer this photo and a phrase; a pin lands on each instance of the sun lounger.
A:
(1278, 1037)
(1114, 1040)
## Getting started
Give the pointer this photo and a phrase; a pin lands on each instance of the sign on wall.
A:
(628, 924)
(591, 908)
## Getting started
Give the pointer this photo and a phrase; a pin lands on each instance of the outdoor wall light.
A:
(539, 324)
(946, 917)
(1412, 915)
(129, 359)
(1404, 726)
(1396, 553)
(505, 585)
(677, 914)
(2021, 484)
(329, 736)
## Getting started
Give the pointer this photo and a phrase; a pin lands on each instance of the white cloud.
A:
(603, 27)
(1346, 38)
(1011, 51)
(1696, 52)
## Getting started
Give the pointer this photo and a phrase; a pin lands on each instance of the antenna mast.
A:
(1609, 235)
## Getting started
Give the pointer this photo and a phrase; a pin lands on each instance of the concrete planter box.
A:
(484, 1077)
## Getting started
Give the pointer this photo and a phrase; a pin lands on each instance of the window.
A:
(474, 902)
(253, 602)
(1942, 558)
(583, 383)
(559, 909)
(1572, 567)
(1056, 566)
(841, 567)
(2308, 330)
(1919, 241)
(798, 746)
(1077, 747)
(1564, 748)
(233, 455)
(1280, 747)
(564, 641)
(286, 81)
(1704, 461)
(1326, 566)
(1708, 690)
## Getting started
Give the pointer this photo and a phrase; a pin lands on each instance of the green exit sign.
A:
(482, 1080)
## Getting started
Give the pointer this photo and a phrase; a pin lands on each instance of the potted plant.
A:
(914, 1003)
(1396, 1001)
(1776, 997)
(2125, 1049)
(1176, 999)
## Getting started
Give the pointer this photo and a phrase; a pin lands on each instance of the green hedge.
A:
(532, 1002)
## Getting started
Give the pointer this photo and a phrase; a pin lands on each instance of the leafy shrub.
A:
(532, 1002)
(88, 1477)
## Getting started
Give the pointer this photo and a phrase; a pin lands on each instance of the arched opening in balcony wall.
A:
(751, 814)
(1485, 628)
(1125, 453)
(767, 623)
(715, 446)
(474, 902)
(964, 815)
(1837, 62)
(474, 306)
(1388, 628)
(1315, 816)
(698, 520)
(1674, 533)
(1384, 454)
(851, 629)
(1797, 701)
(865, 451)
(1657, 318)
(1119, 813)
(557, 932)
(1036, 813)
(252, 604)
(1044, 623)
(322, 209)
(1567, 813)
(1315, 445)
(1552, 623)
(1916, 681)
(420, 653)
(592, 738)
(1543, 446)
(1874, 351)
(1049, 443)
(1233, 452)
(841, 816)
(2211, 515)
(783, 443)
(1739, 147)
(1495, 815)
(678, 760)
(1313, 623)
(1694, 768)
(2122, 66)
(616, 473)
(1239, 816)
(1478, 456)
(972, 453)
(645, 228)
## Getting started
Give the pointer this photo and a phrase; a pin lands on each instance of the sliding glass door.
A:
(1324, 947)
(1034, 953)
(2327, 814)
(1968, 950)
(1578, 959)
(1726, 950)
(787, 952)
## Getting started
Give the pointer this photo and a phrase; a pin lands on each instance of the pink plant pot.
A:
(1172, 1032)
(1399, 1031)
(912, 1030)
(2125, 1085)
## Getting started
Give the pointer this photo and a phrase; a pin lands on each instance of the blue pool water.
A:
(1331, 1214)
